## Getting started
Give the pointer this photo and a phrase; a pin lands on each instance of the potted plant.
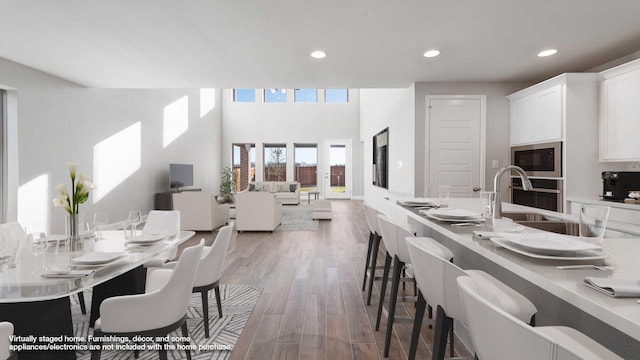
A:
(227, 188)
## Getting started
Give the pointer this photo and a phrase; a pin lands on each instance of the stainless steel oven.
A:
(541, 160)
(546, 194)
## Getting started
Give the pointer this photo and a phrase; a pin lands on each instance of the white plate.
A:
(455, 216)
(96, 258)
(510, 246)
(146, 239)
(549, 243)
(417, 202)
(55, 238)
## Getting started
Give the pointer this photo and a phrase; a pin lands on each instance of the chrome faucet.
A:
(526, 185)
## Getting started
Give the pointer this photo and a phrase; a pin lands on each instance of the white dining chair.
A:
(6, 330)
(436, 278)
(498, 335)
(210, 271)
(159, 311)
(163, 223)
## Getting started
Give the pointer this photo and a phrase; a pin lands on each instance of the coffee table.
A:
(315, 196)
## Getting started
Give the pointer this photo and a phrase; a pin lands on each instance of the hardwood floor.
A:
(312, 306)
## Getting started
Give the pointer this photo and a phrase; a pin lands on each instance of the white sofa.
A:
(199, 211)
(286, 192)
(257, 211)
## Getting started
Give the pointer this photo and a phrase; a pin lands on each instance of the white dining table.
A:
(40, 306)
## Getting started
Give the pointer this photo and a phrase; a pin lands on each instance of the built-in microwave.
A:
(543, 160)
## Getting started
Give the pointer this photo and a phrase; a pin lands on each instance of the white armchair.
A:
(6, 330)
(199, 211)
(257, 211)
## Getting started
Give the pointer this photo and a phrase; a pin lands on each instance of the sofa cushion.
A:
(252, 187)
(293, 187)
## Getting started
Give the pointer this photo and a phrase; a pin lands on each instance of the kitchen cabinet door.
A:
(547, 124)
(521, 114)
(620, 117)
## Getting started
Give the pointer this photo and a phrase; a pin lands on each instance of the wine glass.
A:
(100, 219)
(37, 246)
(135, 219)
(2, 257)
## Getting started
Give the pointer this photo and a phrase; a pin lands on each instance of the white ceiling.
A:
(266, 43)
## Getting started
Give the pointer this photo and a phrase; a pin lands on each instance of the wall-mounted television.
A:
(381, 159)
(180, 175)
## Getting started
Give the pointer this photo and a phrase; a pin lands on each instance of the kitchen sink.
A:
(524, 216)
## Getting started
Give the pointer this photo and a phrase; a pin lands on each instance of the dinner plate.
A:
(549, 243)
(96, 258)
(451, 215)
(146, 239)
(417, 202)
(54, 238)
(586, 256)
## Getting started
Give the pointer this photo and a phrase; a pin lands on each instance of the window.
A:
(305, 95)
(336, 95)
(244, 95)
(244, 164)
(275, 162)
(306, 166)
(275, 95)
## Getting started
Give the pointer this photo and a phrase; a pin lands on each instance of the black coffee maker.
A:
(617, 184)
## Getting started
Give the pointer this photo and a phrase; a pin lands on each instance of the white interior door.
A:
(337, 169)
(455, 151)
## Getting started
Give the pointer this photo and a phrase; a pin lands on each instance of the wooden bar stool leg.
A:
(374, 262)
(366, 265)
(383, 288)
(397, 273)
(421, 304)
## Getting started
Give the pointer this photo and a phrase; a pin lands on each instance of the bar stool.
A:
(438, 276)
(393, 236)
(490, 325)
(371, 215)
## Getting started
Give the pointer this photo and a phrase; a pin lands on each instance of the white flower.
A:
(61, 188)
(73, 167)
(60, 200)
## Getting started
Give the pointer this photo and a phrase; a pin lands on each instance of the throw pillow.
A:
(293, 187)
(252, 187)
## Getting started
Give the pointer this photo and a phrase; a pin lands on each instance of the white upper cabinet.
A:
(535, 114)
(620, 113)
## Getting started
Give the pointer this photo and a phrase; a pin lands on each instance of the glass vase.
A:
(74, 230)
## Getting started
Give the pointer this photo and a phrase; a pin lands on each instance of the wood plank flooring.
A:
(312, 306)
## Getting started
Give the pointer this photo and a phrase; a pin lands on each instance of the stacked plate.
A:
(96, 258)
(418, 202)
(146, 239)
(545, 245)
(452, 215)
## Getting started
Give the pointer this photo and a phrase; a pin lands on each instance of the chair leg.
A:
(421, 304)
(443, 325)
(162, 352)
(451, 344)
(83, 306)
(383, 288)
(366, 265)
(185, 333)
(374, 262)
(395, 285)
(205, 311)
(218, 301)
(95, 354)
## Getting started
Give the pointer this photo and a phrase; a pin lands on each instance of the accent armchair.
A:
(257, 211)
(199, 211)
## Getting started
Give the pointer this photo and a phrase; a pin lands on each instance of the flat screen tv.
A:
(180, 175)
(381, 159)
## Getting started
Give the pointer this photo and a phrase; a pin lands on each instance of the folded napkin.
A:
(67, 274)
(618, 288)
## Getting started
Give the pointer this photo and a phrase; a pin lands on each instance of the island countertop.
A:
(565, 300)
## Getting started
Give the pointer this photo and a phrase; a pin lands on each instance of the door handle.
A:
(476, 189)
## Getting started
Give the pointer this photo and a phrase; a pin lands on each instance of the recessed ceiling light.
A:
(548, 52)
(431, 53)
(318, 54)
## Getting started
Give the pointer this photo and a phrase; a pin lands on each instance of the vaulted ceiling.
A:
(266, 43)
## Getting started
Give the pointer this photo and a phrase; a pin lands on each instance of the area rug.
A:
(238, 302)
(298, 218)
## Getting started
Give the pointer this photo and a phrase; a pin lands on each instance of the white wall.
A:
(58, 122)
(392, 108)
(289, 123)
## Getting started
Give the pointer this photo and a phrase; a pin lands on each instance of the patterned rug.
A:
(238, 302)
(297, 218)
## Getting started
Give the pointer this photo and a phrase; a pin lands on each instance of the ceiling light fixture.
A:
(548, 52)
(431, 53)
(318, 54)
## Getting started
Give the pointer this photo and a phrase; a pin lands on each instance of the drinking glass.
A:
(593, 223)
(2, 253)
(444, 192)
(99, 220)
(134, 219)
(487, 199)
(37, 246)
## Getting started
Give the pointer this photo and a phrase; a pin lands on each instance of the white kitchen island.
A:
(559, 295)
